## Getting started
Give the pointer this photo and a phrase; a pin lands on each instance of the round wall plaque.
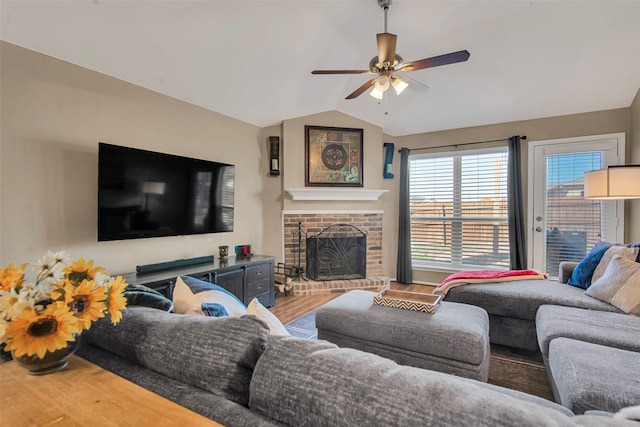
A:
(334, 156)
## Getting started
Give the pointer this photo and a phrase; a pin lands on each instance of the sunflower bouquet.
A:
(46, 314)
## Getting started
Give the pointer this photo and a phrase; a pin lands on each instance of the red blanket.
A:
(486, 276)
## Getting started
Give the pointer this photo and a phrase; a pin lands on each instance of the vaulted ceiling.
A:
(251, 60)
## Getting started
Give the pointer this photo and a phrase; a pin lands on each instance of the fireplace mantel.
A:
(356, 194)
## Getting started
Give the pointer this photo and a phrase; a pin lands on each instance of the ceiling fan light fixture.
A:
(382, 83)
(398, 84)
(377, 94)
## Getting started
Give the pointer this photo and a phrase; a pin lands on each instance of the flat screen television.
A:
(148, 194)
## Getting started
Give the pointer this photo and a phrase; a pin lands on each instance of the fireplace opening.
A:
(337, 252)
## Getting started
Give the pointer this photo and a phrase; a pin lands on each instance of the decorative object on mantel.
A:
(613, 183)
(274, 155)
(41, 320)
(387, 170)
(333, 156)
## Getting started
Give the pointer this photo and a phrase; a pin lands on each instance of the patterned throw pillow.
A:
(619, 285)
(189, 295)
(598, 259)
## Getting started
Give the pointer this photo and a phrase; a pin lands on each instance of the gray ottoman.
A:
(454, 340)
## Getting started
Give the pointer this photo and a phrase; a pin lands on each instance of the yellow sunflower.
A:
(80, 270)
(117, 300)
(35, 333)
(11, 276)
(87, 302)
(62, 291)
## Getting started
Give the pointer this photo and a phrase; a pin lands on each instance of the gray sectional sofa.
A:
(232, 371)
(512, 306)
(591, 349)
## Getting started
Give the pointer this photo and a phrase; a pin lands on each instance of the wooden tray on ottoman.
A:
(416, 301)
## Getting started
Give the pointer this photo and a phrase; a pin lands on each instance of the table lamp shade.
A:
(615, 182)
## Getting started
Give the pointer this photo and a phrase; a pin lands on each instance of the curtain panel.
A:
(403, 270)
(516, 214)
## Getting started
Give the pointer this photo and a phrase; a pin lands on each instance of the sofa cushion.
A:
(598, 259)
(590, 376)
(619, 285)
(216, 354)
(321, 384)
(611, 329)
(521, 299)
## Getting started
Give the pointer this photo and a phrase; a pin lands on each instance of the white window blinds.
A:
(458, 207)
(573, 222)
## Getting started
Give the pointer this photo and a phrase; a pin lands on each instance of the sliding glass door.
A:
(563, 224)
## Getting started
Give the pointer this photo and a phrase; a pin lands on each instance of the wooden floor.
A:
(289, 308)
(508, 368)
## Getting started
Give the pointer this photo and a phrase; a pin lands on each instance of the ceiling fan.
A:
(388, 62)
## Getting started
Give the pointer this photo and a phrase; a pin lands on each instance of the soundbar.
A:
(148, 268)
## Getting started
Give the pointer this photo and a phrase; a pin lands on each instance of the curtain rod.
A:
(464, 143)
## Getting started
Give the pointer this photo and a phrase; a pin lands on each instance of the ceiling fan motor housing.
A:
(376, 67)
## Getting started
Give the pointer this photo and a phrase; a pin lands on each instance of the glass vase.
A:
(51, 362)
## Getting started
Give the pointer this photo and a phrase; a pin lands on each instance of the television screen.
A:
(147, 194)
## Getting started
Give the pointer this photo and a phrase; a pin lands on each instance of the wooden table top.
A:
(85, 394)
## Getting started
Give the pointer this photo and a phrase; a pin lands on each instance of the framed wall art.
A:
(333, 157)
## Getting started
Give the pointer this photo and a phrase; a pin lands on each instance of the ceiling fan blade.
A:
(356, 93)
(436, 61)
(386, 47)
(341, 72)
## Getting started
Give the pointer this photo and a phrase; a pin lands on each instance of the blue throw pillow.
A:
(214, 309)
(582, 274)
(197, 286)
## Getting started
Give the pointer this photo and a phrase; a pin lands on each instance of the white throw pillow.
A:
(261, 312)
(614, 251)
(619, 285)
(186, 302)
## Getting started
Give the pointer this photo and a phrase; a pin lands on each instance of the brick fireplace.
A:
(314, 222)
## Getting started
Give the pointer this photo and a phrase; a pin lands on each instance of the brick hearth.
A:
(369, 222)
(311, 287)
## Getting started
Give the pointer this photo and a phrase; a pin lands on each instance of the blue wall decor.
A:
(388, 160)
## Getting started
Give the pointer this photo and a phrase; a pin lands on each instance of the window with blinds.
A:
(573, 223)
(458, 207)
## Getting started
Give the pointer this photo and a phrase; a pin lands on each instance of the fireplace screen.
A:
(337, 252)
